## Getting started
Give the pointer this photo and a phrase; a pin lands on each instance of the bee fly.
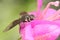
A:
(25, 17)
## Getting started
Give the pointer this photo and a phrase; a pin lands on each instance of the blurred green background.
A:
(9, 11)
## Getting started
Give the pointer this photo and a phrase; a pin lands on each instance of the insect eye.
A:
(31, 17)
(27, 18)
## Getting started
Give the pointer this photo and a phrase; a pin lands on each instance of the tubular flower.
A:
(45, 26)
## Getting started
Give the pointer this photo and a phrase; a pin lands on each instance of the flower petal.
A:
(44, 30)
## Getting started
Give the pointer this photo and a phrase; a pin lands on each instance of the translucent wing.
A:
(11, 25)
(15, 22)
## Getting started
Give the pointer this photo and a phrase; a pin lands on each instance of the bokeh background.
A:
(9, 11)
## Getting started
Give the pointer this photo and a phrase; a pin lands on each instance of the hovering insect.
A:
(25, 17)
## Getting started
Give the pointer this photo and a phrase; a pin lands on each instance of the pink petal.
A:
(39, 4)
(26, 32)
(49, 12)
(46, 29)
(40, 29)
(57, 21)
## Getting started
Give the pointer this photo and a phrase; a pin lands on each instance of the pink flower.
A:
(45, 26)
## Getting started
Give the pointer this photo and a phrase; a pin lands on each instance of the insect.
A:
(25, 17)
